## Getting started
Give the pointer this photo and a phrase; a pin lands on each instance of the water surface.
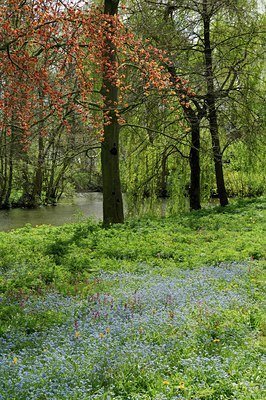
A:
(85, 205)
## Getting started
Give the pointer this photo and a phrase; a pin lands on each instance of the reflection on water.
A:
(87, 205)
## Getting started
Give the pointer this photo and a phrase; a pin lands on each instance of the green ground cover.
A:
(154, 309)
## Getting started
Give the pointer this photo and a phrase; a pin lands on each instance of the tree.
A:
(112, 193)
(194, 110)
(207, 13)
(210, 43)
(194, 118)
(40, 41)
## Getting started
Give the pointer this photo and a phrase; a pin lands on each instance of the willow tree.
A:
(207, 9)
(194, 116)
(211, 43)
(155, 21)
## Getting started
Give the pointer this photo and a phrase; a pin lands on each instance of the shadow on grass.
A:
(235, 207)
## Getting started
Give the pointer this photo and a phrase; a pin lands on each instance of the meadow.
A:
(155, 309)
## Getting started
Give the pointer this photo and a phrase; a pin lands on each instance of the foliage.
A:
(70, 41)
(154, 309)
(236, 30)
(58, 61)
(52, 58)
(210, 236)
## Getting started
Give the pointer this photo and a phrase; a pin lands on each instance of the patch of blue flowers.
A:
(150, 337)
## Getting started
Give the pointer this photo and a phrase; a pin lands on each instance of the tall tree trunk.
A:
(49, 195)
(210, 99)
(194, 157)
(194, 162)
(112, 195)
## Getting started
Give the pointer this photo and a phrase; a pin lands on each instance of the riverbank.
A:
(153, 309)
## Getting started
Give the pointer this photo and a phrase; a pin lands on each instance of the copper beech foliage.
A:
(52, 57)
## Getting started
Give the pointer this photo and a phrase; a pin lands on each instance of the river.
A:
(82, 206)
(76, 209)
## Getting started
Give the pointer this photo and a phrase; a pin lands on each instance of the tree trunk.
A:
(112, 195)
(194, 157)
(49, 195)
(194, 162)
(210, 100)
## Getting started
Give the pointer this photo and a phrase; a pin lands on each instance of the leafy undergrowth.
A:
(155, 309)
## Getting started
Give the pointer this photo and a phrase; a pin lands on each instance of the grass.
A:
(153, 309)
